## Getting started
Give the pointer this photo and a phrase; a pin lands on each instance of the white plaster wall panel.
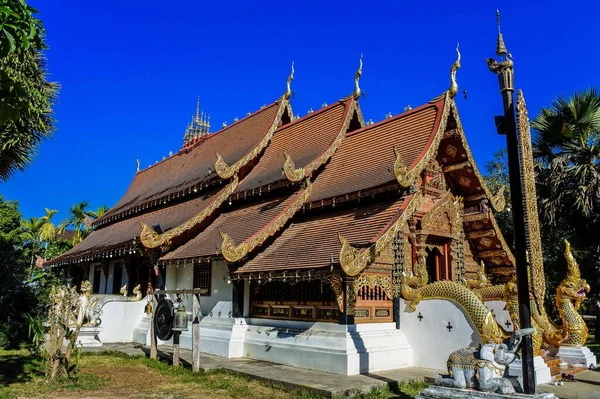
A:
(431, 340)
(119, 319)
(102, 289)
(501, 315)
(332, 348)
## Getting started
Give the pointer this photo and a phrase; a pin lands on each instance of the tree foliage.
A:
(26, 96)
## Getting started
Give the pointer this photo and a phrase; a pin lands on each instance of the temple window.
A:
(202, 276)
(438, 263)
(117, 277)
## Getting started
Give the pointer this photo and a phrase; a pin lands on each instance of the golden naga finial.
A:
(573, 271)
(357, 76)
(455, 67)
(197, 118)
(288, 90)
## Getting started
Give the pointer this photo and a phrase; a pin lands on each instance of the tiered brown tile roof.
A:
(189, 168)
(121, 235)
(366, 157)
(240, 224)
(313, 242)
(304, 139)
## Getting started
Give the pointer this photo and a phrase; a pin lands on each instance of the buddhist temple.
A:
(314, 241)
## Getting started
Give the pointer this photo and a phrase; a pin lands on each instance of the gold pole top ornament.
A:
(453, 89)
(505, 67)
(357, 76)
(288, 90)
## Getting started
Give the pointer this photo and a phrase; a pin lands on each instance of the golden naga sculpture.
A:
(357, 75)
(453, 89)
(289, 169)
(480, 315)
(401, 171)
(569, 295)
(151, 239)
(481, 281)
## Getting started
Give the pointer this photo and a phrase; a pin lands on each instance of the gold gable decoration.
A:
(447, 205)
(289, 169)
(151, 239)
(353, 261)
(225, 171)
(232, 252)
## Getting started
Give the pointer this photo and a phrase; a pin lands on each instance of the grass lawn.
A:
(116, 375)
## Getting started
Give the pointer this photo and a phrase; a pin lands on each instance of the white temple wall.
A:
(501, 316)
(119, 319)
(431, 339)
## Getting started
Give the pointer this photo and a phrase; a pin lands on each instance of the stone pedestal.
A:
(542, 371)
(573, 355)
(88, 337)
(436, 392)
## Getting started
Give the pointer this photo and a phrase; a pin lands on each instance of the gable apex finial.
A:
(357, 75)
(288, 90)
(453, 89)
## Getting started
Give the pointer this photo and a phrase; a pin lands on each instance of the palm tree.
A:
(80, 218)
(567, 147)
(48, 230)
(31, 236)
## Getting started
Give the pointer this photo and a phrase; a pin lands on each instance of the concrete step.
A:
(557, 372)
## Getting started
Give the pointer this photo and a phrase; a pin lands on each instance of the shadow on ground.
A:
(14, 368)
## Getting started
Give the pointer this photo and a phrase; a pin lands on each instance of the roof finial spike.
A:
(500, 47)
(288, 90)
(357, 76)
(197, 117)
(453, 89)
(138, 163)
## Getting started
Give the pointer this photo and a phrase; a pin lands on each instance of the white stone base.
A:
(542, 371)
(223, 336)
(88, 337)
(329, 347)
(574, 355)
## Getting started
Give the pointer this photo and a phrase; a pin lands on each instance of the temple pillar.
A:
(237, 298)
(349, 298)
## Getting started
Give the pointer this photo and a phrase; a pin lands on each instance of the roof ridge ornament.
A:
(453, 89)
(288, 90)
(505, 67)
(357, 92)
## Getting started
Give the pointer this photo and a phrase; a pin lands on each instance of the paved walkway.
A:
(587, 385)
(319, 382)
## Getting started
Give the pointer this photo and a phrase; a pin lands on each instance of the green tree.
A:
(567, 150)
(79, 219)
(26, 96)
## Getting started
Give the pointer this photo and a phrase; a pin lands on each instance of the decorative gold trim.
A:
(233, 253)
(151, 239)
(448, 204)
(353, 261)
(452, 168)
(226, 171)
(503, 243)
(374, 280)
(289, 168)
(453, 89)
(482, 233)
(406, 176)
(533, 236)
(497, 201)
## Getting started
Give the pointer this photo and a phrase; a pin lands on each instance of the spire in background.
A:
(199, 127)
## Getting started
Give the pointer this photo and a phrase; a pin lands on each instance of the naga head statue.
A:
(573, 287)
(86, 287)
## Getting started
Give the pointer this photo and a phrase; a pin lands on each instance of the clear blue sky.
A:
(131, 70)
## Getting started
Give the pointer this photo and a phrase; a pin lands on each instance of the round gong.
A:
(163, 320)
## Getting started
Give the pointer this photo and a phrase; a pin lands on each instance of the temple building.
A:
(312, 235)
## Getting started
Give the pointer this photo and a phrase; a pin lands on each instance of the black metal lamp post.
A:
(506, 124)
